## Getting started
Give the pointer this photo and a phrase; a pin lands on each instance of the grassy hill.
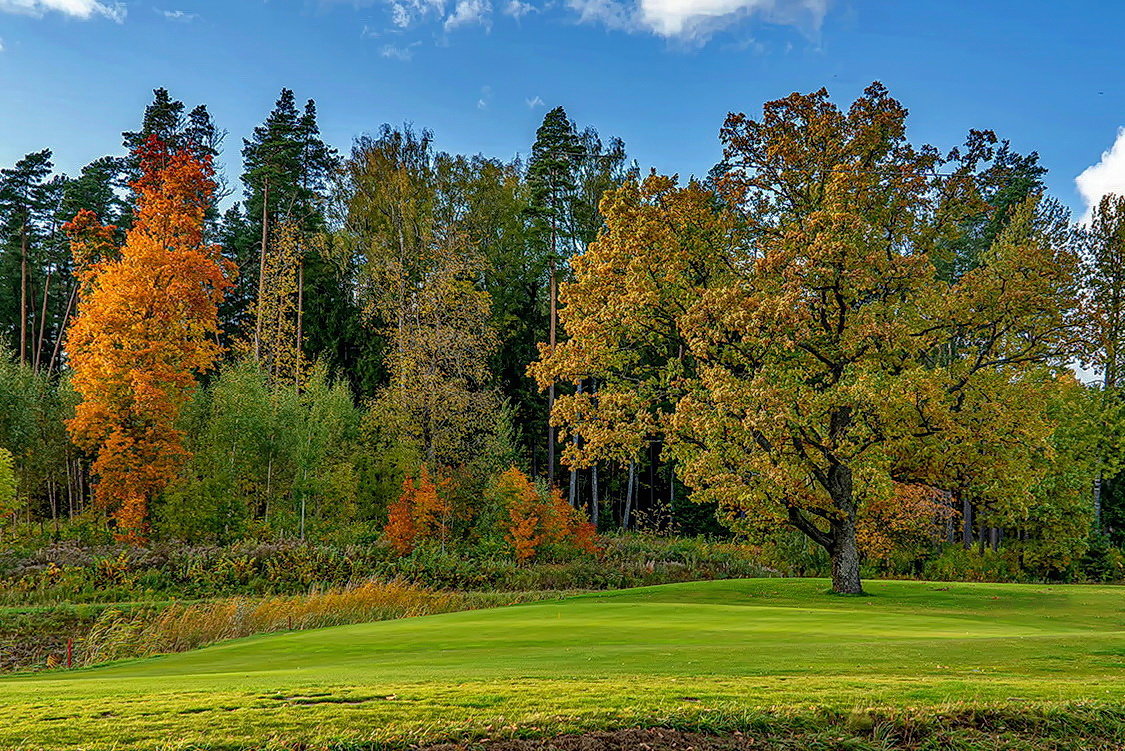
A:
(712, 655)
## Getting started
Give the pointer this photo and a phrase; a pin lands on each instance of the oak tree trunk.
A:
(843, 548)
(844, 554)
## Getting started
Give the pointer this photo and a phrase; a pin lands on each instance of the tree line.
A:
(834, 332)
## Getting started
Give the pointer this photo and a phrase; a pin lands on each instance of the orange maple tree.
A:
(146, 325)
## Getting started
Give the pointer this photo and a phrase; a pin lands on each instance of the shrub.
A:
(535, 521)
(422, 512)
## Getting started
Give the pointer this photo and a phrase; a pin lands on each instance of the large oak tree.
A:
(788, 334)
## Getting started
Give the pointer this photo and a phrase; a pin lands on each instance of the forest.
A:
(840, 352)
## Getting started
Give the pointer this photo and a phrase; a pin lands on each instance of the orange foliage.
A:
(912, 515)
(529, 520)
(146, 324)
(422, 512)
(533, 521)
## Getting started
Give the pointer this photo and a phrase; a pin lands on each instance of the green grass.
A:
(713, 654)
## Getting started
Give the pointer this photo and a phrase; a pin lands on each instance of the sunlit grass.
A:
(710, 655)
(178, 627)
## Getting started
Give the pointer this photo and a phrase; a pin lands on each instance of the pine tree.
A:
(567, 174)
(286, 169)
(25, 200)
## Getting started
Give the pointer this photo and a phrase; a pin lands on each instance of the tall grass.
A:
(179, 627)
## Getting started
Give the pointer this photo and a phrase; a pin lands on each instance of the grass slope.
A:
(682, 653)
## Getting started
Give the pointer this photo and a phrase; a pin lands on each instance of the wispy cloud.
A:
(485, 97)
(517, 9)
(696, 20)
(406, 13)
(178, 15)
(534, 102)
(468, 13)
(394, 52)
(691, 22)
(1107, 176)
(81, 9)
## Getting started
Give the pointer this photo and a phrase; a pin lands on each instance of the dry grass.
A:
(180, 627)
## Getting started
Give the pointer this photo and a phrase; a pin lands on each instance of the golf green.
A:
(599, 660)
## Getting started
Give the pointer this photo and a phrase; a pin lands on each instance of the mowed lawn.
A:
(640, 656)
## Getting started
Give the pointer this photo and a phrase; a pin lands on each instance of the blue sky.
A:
(659, 73)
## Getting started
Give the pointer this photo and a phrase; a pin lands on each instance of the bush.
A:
(82, 574)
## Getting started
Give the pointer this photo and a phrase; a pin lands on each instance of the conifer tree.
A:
(25, 202)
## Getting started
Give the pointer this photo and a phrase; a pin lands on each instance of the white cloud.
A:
(518, 10)
(1107, 176)
(82, 9)
(468, 12)
(1, 45)
(394, 52)
(697, 20)
(405, 13)
(178, 15)
(686, 21)
(534, 102)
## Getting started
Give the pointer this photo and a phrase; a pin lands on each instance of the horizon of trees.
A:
(380, 310)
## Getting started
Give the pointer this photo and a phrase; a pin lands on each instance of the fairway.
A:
(598, 660)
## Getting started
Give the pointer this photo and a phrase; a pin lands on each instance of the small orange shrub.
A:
(422, 512)
(533, 521)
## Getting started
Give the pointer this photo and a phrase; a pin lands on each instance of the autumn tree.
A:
(420, 281)
(440, 392)
(145, 328)
(278, 312)
(782, 333)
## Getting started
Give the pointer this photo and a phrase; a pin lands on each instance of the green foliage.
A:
(8, 484)
(276, 458)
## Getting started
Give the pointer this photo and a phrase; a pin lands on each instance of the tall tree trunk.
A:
(966, 523)
(629, 488)
(23, 294)
(63, 326)
(573, 472)
(551, 388)
(42, 323)
(572, 496)
(300, 320)
(1099, 481)
(262, 267)
(594, 495)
